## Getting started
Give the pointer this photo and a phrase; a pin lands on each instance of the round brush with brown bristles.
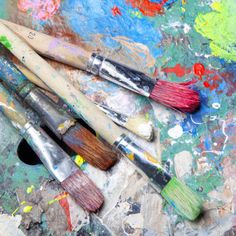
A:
(175, 95)
(61, 123)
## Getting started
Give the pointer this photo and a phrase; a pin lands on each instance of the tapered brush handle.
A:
(51, 47)
(80, 104)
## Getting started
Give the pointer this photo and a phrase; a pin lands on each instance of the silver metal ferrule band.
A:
(157, 174)
(120, 74)
(118, 118)
(57, 162)
(56, 119)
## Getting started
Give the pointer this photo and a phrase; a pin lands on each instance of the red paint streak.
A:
(116, 11)
(41, 9)
(148, 8)
(199, 70)
(65, 205)
(179, 70)
(206, 84)
(211, 78)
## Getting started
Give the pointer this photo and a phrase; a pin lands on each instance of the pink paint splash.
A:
(40, 9)
(116, 11)
(148, 8)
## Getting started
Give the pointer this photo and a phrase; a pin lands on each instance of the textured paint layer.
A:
(219, 27)
(147, 7)
(40, 9)
(100, 21)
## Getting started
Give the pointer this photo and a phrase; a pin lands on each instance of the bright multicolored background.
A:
(176, 41)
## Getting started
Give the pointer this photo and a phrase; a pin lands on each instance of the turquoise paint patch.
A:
(3, 12)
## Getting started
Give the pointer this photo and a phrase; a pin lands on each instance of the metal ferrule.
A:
(58, 163)
(157, 174)
(118, 118)
(56, 119)
(121, 75)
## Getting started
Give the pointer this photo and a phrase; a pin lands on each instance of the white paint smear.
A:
(175, 132)
(183, 163)
(9, 225)
(216, 105)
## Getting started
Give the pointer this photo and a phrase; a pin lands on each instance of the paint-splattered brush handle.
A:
(137, 124)
(62, 87)
(80, 58)
(56, 119)
(51, 47)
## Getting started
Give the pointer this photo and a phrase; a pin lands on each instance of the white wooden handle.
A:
(51, 47)
(80, 104)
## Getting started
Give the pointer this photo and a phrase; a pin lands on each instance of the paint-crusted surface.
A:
(198, 148)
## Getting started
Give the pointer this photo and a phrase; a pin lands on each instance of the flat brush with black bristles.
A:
(57, 162)
(185, 201)
(174, 95)
(77, 137)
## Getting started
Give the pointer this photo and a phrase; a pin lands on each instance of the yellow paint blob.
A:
(27, 209)
(79, 160)
(30, 189)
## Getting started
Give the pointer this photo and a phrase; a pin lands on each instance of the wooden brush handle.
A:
(12, 109)
(80, 104)
(51, 47)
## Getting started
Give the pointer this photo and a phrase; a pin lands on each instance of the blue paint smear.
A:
(87, 18)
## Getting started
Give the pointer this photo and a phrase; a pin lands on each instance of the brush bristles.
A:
(95, 152)
(84, 191)
(175, 95)
(140, 126)
(182, 198)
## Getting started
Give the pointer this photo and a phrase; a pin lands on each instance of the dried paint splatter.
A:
(148, 8)
(116, 11)
(40, 9)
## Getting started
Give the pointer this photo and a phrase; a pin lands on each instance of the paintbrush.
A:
(182, 198)
(137, 124)
(57, 162)
(64, 126)
(175, 95)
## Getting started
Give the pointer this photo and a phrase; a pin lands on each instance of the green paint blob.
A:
(219, 27)
(5, 42)
(182, 198)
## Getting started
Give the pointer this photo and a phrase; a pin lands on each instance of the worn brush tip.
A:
(94, 151)
(84, 191)
(183, 199)
(175, 95)
(140, 126)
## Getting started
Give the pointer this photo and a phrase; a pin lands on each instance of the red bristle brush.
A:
(175, 95)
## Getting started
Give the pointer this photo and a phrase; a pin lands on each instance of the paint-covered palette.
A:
(175, 40)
